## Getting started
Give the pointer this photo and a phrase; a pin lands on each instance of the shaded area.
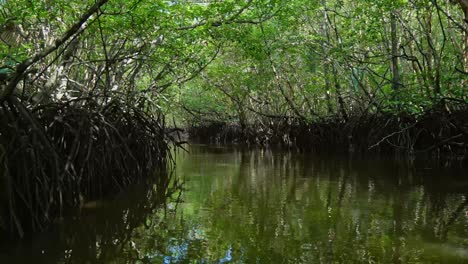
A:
(102, 231)
(55, 156)
(440, 133)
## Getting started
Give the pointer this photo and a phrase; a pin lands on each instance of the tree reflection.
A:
(279, 207)
(268, 206)
(103, 231)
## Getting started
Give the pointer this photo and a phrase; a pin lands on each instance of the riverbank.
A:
(56, 156)
(438, 132)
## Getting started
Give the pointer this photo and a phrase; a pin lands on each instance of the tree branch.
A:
(23, 66)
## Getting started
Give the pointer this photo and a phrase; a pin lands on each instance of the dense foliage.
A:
(81, 79)
(317, 59)
(245, 61)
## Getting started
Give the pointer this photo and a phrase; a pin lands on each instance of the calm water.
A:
(257, 206)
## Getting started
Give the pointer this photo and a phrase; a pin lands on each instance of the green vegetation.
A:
(85, 85)
(350, 74)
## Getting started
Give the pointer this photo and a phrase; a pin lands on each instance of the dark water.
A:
(258, 206)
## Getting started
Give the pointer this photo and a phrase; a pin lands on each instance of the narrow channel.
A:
(240, 205)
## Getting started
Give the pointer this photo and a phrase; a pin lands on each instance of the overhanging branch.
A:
(21, 68)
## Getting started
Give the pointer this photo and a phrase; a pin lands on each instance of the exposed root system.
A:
(54, 157)
(437, 131)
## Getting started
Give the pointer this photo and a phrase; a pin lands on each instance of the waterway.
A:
(239, 205)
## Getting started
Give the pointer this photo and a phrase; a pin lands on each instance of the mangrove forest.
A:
(233, 131)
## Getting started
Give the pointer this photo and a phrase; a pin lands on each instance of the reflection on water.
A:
(258, 206)
(103, 231)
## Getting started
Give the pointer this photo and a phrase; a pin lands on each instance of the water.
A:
(264, 206)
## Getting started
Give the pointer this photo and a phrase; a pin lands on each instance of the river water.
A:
(270, 206)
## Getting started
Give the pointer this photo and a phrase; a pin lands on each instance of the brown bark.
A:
(395, 69)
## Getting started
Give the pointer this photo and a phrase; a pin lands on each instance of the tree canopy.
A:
(244, 62)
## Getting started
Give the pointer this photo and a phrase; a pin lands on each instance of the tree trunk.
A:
(396, 82)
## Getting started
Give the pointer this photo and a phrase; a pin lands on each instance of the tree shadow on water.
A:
(103, 231)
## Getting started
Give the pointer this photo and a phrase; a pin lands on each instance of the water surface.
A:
(269, 206)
